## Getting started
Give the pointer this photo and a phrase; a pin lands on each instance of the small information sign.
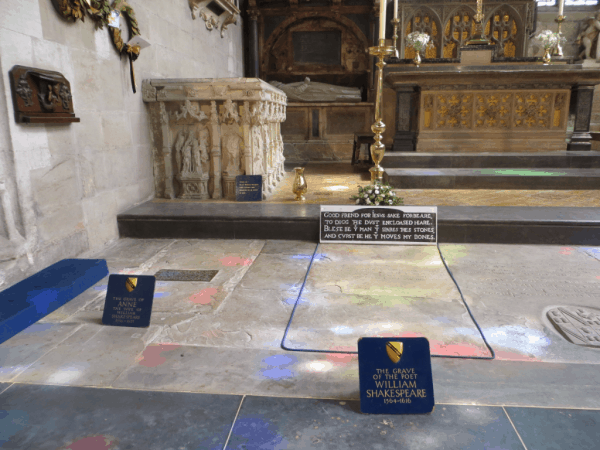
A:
(395, 376)
(129, 300)
(248, 188)
(379, 224)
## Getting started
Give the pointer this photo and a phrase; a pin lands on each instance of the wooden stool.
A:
(359, 140)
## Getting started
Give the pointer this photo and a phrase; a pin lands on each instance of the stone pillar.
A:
(407, 114)
(215, 152)
(254, 69)
(581, 104)
(167, 158)
(247, 134)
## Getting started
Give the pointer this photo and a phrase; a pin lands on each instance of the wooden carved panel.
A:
(41, 96)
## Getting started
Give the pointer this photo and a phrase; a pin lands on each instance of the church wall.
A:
(66, 184)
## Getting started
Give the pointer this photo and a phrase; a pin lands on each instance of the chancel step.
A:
(563, 160)
(495, 178)
(456, 224)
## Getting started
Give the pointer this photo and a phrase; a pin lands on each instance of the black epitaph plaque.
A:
(129, 300)
(395, 376)
(317, 47)
(248, 188)
(379, 224)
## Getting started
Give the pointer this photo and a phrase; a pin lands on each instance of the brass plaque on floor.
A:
(185, 275)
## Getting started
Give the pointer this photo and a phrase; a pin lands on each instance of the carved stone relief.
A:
(215, 13)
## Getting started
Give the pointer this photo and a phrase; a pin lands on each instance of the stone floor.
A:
(334, 183)
(211, 373)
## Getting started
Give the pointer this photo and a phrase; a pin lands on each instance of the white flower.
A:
(371, 191)
(376, 203)
(392, 193)
(358, 201)
(376, 192)
(390, 202)
(368, 202)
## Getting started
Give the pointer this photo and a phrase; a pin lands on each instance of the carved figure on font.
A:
(186, 165)
(179, 148)
(590, 38)
(310, 91)
(232, 150)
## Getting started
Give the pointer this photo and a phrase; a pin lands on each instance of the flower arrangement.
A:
(377, 195)
(417, 40)
(550, 39)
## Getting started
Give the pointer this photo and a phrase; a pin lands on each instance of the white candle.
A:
(395, 9)
(382, 19)
(561, 7)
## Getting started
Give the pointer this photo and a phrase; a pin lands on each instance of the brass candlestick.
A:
(478, 37)
(396, 22)
(558, 51)
(378, 148)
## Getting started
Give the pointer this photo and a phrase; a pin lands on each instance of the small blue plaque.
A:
(395, 376)
(129, 300)
(248, 188)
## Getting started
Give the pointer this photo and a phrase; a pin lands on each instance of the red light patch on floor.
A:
(151, 356)
(92, 443)
(229, 261)
(204, 297)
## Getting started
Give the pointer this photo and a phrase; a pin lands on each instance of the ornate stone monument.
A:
(208, 131)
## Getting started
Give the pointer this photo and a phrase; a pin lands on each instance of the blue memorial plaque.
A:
(395, 375)
(248, 188)
(129, 300)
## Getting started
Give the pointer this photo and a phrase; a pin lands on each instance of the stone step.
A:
(495, 178)
(408, 160)
(457, 224)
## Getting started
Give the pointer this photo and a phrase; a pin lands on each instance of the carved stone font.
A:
(208, 132)
(309, 91)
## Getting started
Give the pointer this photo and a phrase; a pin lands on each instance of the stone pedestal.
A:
(207, 130)
(581, 106)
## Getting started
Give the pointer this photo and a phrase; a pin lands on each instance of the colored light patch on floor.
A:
(522, 172)
(382, 292)
(152, 355)
(277, 367)
(229, 261)
(93, 443)
(204, 297)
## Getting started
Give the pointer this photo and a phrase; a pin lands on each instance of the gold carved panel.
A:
(451, 25)
(495, 110)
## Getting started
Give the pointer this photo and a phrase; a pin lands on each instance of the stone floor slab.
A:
(173, 367)
(370, 290)
(557, 429)
(510, 294)
(26, 347)
(94, 355)
(280, 272)
(59, 417)
(290, 423)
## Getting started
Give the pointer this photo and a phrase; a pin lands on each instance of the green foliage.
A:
(377, 195)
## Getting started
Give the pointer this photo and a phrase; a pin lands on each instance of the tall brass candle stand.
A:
(378, 148)
(558, 51)
(396, 22)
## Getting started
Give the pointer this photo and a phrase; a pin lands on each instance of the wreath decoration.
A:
(134, 30)
(100, 11)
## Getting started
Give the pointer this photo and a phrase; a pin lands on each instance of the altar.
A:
(495, 107)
